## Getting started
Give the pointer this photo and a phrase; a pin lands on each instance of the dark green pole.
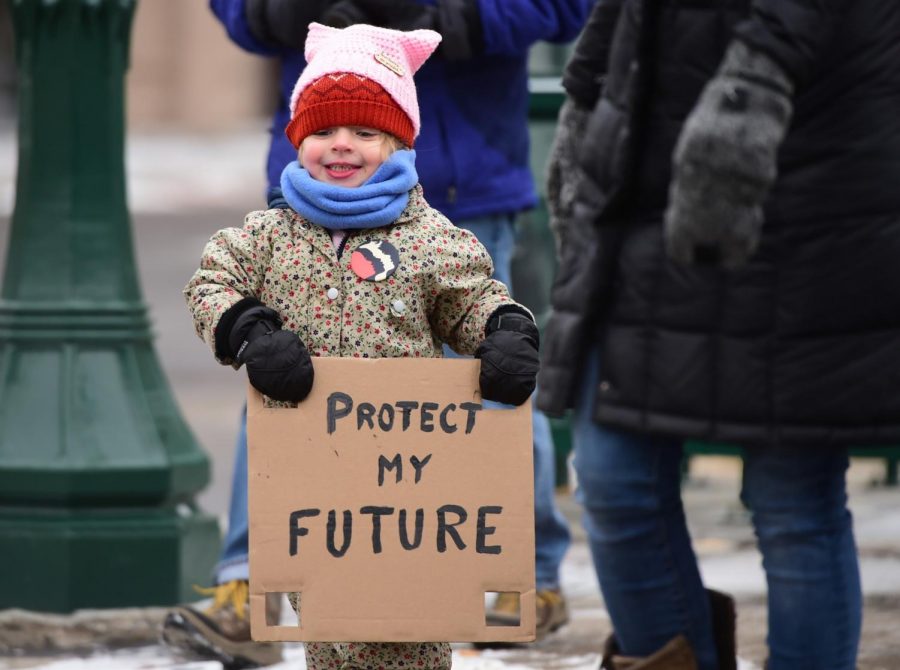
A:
(98, 469)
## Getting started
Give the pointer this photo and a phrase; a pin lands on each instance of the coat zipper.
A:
(340, 249)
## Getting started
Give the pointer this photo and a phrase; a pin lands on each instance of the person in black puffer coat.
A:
(729, 272)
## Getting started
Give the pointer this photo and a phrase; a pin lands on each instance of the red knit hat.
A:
(360, 76)
(348, 99)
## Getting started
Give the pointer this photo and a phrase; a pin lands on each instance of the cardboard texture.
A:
(314, 481)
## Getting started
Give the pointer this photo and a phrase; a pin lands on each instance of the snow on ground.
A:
(156, 658)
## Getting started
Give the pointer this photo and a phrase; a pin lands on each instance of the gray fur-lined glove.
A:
(563, 172)
(726, 160)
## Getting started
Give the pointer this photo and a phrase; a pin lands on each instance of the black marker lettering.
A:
(406, 407)
(294, 529)
(404, 535)
(348, 532)
(427, 417)
(471, 408)
(418, 465)
(376, 513)
(364, 413)
(335, 411)
(445, 425)
(395, 463)
(386, 423)
(484, 530)
(444, 528)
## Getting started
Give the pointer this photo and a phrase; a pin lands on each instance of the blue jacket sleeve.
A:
(233, 16)
(510, 27)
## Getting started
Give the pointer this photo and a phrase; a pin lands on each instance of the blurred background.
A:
(198, 110)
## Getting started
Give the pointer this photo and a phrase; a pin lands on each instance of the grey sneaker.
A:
(222, 632)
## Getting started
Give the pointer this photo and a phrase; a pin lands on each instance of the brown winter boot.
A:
(675, 655)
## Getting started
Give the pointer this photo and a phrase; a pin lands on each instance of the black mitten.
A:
(283, 23)
(458, 21)
(278, 364)
(509, 356)
(725, 161)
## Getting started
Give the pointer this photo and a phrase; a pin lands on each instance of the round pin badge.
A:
(375, 261)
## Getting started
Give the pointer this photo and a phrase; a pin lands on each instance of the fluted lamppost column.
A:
(98, 470)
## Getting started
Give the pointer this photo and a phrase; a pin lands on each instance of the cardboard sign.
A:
(392, 501)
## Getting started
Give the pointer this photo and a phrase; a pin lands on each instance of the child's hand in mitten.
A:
(509, 357)
(278, 364)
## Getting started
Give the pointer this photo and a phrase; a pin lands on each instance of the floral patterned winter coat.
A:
(439, 289)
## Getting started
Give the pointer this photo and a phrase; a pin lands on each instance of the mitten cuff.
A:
(756, 66)
(515, 318)
(237, 319)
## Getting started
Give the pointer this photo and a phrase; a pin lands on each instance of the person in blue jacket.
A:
(472, 157)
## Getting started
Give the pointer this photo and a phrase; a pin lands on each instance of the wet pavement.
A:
(182, 189)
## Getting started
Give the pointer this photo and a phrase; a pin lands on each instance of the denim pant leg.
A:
(629, 487)
(798, 501)
(551, 530)
(234, 560)
(552, 539)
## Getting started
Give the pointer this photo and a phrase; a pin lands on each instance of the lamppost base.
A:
(61, 560)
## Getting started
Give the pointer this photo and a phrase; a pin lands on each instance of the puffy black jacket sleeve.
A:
(586, 70)
(792, 32)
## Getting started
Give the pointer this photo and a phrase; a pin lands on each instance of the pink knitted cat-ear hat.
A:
(378, 61)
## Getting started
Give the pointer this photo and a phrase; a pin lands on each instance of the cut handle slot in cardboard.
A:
(392, 501)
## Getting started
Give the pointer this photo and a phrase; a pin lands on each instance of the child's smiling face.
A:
(344, 155)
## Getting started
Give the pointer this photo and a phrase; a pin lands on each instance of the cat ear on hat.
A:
(418, 45)
(317, 36)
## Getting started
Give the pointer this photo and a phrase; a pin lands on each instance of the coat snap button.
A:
(604, 386)
(332, 293)
(398, 308)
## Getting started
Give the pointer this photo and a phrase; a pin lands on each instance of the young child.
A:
(359, 265)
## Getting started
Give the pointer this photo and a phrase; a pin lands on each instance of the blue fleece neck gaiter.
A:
(376, 202)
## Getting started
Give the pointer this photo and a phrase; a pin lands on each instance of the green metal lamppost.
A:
(97, 468)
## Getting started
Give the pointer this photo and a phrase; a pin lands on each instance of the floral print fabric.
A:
(378, 656)
(440, 291)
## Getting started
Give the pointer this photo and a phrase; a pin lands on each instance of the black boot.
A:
(724, 620)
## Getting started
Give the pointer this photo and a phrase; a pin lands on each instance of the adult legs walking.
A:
(629, 487)
(798, 501)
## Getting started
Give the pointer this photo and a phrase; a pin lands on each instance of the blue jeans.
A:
(497, 234)
(629, 487)
(234, 561)
(551, 532)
